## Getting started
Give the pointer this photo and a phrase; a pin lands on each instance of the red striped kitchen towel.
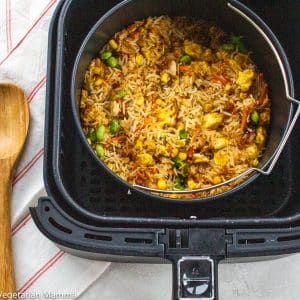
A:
(40, 266)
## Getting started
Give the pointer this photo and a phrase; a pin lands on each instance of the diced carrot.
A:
(244, 119)
(195, 133)
(117, 139)
(136, 35)
(263, 94)
(219, 78)
(131, 27)
(190, 152)
(147, 121)
(184, 68)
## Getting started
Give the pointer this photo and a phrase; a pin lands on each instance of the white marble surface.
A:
(277, 279)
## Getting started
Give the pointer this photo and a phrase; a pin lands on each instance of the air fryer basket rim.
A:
(286, 73)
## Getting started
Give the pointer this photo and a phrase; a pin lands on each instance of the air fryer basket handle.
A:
(195, 277)
(248, 16)
(285, 139)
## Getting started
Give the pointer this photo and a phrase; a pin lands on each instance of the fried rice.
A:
(175, 103)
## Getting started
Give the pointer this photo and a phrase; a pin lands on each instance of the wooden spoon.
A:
(14, 121)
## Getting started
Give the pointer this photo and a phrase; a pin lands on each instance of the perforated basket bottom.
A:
(97, 192)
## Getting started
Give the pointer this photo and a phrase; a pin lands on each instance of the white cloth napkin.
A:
(39, 265)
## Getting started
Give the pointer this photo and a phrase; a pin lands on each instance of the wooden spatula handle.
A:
(7, 278)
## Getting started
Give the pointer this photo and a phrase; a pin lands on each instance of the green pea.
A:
(100, 151)
(186, 59)
(112, 61)
(100, 132)
(183, 134)
(114, 126)
(228, 47)
(92, 135)
(106, 55)
(177, 162)
(254, 116)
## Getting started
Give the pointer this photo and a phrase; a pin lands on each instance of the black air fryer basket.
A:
(89, 214)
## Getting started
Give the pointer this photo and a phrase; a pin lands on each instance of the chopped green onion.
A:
(92, 135)
(100, 150)
(228, 47)
(183, 134)
(179, 182)
(106, 55)
(238, 43)
(186, 59)
(177, 162)
(112, 61)
(120, 94)
(114, 126)
(100, 132)
(254, 116)
(185, 169)
(163, 135)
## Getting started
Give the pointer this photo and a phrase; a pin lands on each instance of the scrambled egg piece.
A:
(200, 158)
(260, 136)
(180, 125)
(139, 144)
(191, 184)
(139, 59)
(84, 94)
(255, 162)
(150, 145)
(174, 152)
(220, 143)
(252, 151)
(207, 107)
(182, 155)
(145, 159)
(165, 118)
(181, 142)
(159, 102)
(98, 82)
(192, 49)
(221, 158)
(216, 179)
(161, 184)
(162, 149)
(201, 67)
(96, 71)
(245, 79)
(165, 77)
(227, 87)
(212, 120)
(140, 101)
